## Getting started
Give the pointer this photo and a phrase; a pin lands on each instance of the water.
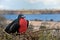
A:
(55, 17)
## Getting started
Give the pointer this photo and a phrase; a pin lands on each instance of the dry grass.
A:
(29, 35)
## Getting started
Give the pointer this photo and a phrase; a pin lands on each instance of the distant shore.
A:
(30, 11)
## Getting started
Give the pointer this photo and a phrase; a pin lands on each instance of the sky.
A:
(55, 17)
(29, 4)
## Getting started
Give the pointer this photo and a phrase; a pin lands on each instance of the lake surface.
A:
(55, 17)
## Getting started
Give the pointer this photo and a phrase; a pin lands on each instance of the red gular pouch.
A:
(22, 25)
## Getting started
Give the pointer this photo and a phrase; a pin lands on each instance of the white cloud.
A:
(45, 2)
(51, 2)
(58, 7)
(33, 1)
(3, 7)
